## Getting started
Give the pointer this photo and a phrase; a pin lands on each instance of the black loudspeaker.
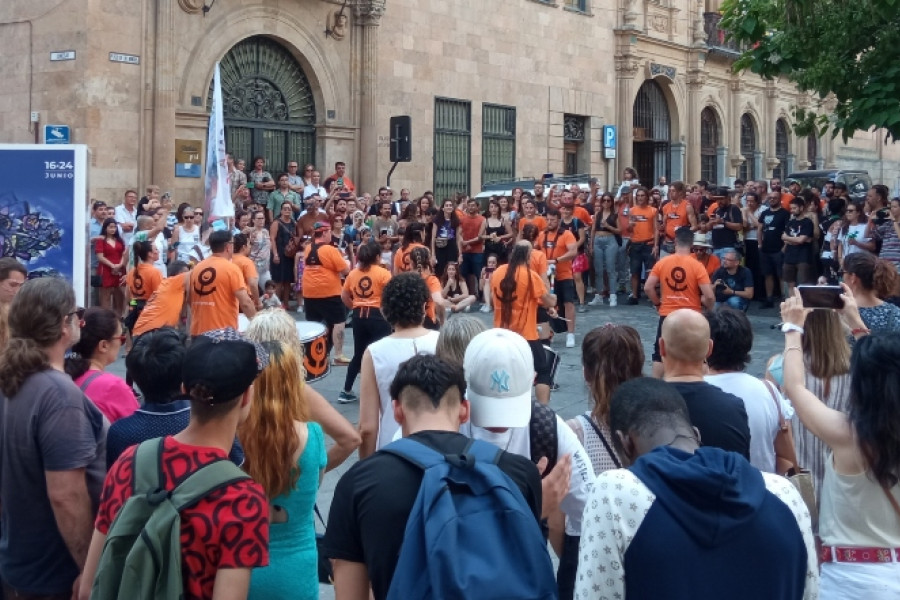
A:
(401, 139)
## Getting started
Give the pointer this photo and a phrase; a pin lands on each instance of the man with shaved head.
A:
(719, 416)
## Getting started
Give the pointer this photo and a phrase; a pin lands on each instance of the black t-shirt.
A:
(540, 207)
(774, 222)
(722, 237)
(372, 502)
(795, 254)
(719, 416)
(575, 226)
(740, 281)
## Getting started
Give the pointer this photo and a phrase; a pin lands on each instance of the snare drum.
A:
(314, 338)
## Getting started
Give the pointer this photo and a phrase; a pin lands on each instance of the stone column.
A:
(737, 159)
(768, 130)
(626, 69)
(696, 79)
(163, 173)
(368, 18)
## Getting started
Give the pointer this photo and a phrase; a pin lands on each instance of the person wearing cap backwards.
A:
(373, 500)
(684, 283)
(324, 266)
(226, 534)
(499, 370)
(216, 288)
(703, 253)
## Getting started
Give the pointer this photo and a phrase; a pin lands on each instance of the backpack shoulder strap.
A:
(542, 435)
(609, 449)
(87, 382)
(484, 451)
(201, 483)
(417, 453)
(148, 466)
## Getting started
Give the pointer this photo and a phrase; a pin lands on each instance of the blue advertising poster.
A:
(43, 209)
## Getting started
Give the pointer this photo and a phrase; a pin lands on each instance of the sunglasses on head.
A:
(78, 312)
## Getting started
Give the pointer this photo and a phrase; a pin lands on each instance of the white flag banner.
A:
(217, 197)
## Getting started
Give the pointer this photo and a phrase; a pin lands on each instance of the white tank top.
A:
(387, 354)
(186, 242)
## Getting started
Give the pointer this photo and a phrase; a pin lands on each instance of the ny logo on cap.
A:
(500, 381)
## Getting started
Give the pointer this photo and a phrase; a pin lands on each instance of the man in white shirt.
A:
(126, 217)
(314, 188)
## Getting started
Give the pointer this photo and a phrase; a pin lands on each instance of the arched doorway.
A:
(747, 170)
(652, 133)
(268, 105)
(709, 143)
(782, 148)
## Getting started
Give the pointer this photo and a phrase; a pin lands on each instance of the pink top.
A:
(109, 393)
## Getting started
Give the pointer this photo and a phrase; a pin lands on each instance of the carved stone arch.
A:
(750, 144)
(293, 33)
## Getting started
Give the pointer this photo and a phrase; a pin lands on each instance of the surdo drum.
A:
(314, 338)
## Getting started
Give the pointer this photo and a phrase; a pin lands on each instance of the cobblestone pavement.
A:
(571, 398)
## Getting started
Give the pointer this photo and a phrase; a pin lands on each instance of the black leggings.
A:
(568, 566)
(369, 326)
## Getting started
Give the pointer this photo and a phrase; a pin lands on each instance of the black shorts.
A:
(565, 292)
(640, 255)
(771, 263)
(656, 355)
(330, 311)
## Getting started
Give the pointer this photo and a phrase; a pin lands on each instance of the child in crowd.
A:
(269, 299)
(485, 282)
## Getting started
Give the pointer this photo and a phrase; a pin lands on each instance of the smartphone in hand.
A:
(821, 296)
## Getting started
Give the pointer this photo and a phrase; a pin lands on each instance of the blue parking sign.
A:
(609, 136)
(56, 134)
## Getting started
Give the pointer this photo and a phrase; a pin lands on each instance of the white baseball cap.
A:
(499, 370)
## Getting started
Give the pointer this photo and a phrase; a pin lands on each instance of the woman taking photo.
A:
(607, 238)
(285, 454)
(101, 339)
(186, 237)
(446, 236)
(112, 256)
(362, 295)
(859, 521)
(872, 280)
(275, 325)
(282, 267)
(497, 231)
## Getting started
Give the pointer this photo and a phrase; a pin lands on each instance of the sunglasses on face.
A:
(78, 312)
(121, 338)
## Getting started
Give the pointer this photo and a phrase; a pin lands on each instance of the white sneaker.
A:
(597, 301)
(570, 340)
(485, 308)
(613, 301)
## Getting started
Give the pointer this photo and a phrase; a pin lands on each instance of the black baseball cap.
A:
(224, 363)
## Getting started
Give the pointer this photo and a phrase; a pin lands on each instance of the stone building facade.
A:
(495, 88)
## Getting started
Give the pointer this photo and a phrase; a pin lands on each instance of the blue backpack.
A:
(470, 532)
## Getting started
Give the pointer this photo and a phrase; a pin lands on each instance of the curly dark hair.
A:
(874, 273)
(403, 300)
(732, 337)
(875, 404)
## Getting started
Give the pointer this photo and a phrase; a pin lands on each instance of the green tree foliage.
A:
(845, 51)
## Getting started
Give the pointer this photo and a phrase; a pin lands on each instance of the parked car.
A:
(857, 180)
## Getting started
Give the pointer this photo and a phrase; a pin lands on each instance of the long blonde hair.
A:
(825, 346)
(268, 434)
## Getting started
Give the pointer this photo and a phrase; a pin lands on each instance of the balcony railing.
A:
(717, 38)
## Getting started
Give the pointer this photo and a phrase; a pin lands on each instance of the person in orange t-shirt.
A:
(644, 246)
(166, 304)
(561, 247)
(677, 212)
(324, 266)
(529, 215)
(420, 259)
(216, 288)
(362, 294)
(472, 225)
(142, 280)
(413, 237)
(517, 292)
(684, 283)
(241, 258)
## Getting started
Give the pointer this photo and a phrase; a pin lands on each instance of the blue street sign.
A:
(609, 136)
(56, 134)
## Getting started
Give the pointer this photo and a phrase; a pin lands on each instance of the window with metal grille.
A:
(498, 142)
(709, 142)
(452, 146)
(747, 171)
(580, 5)
(781, 149)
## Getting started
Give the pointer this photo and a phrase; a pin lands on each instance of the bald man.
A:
(719, 416)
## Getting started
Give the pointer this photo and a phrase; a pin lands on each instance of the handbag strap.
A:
(782, 424)
(783, 427)
(602, 437)
(318, 514)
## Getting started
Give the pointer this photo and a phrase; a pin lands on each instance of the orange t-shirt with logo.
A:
(680, 278)
(247, 267)
(401, 258)
(643, 223)
(143, 280)
(214, 283)
(164, 306)
(434, 285)
(470, 226)
(323, 280)
(555, 245)
(538, 221)
(538, 262)
(365, 287)
(529, 290)
(712, 262)
(675, 217)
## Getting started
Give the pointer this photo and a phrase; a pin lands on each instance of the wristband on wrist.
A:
(860, 330)
(788, 327)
